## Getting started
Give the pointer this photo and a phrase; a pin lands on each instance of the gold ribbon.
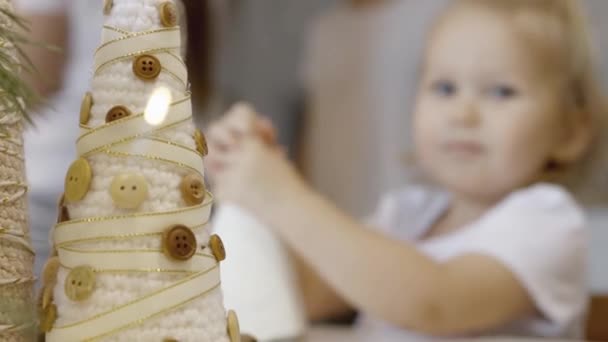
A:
(120, 45)
(139, 310)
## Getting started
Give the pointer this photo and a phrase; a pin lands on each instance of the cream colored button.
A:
(234, 331)
(146, 67)
(201, 142)
(217, 247)
(117, 113)
(49, 272)
(80, 283)
(168, 14)
(193, 189)
(129, 190)
(107, 6)
(49, 315)
(85, 108)
(78, 180)
(179, 242)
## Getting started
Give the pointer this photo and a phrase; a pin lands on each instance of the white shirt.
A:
(51, 146)
(539, 233)
(360, 72)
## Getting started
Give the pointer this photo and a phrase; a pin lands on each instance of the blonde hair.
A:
(557, 30)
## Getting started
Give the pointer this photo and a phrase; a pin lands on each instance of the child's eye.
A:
(444, 88)
(503, 91)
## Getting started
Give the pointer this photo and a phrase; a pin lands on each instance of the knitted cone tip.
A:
(135, 254)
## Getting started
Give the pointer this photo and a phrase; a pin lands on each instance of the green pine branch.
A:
(16, 96)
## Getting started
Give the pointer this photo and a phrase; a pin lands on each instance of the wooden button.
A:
(107, 6)
(80, 283)
(63, 213)
(146, 67)
(201, 142)
(168, 14)
(129, 190)
(248, 338)
(234, 331)
(179, 242)
(49, 272)
(193, 189)
(47, 297)
(49, 315)
(117, 113)
(78, 180)
(217, 247)
(85, 108)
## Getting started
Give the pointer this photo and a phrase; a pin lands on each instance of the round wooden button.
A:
(129, 190)
(217, 247)
(49, 271)
(146, 67)
(168, 14)
(117, 113)
(248, 338)
(80, 283)
(47, 297)
(63, 214)
(77, 180)
(85, 108)
(234, 331)
(107, 6)
(179, 242)
(201, 142)
(193, 189)
(49, 315)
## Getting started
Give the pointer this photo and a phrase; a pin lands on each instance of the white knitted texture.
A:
(201, 320)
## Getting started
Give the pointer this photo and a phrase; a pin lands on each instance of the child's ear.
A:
(576, 140)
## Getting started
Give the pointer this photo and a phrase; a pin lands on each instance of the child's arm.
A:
(382, 277)
(322, 303)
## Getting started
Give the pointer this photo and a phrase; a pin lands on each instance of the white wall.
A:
(598, 251)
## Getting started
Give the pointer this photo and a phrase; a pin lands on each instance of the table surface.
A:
(337, 334)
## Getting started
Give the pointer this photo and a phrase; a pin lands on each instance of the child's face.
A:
(487, 120)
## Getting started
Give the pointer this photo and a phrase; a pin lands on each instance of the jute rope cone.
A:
(16, 254)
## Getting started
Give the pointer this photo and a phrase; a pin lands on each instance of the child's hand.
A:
(226, 133)
(257, 176)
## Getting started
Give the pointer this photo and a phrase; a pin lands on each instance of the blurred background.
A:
(334, 76)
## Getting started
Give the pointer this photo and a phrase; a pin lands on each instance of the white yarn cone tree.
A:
(135, 261)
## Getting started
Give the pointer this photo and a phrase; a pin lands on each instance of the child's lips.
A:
(464, 148)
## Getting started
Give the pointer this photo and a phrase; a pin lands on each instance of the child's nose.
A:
(465, 113)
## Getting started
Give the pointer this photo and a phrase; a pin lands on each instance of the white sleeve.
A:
(405, 213)
(540, 235)
(41, 6)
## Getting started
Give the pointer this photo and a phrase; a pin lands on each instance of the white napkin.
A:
(258, 279)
